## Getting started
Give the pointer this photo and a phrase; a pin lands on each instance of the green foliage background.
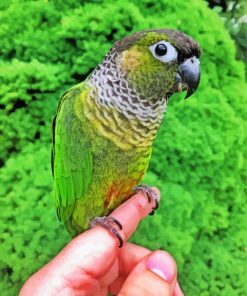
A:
(198, 160)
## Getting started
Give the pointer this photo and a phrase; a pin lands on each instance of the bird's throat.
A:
(118, 112)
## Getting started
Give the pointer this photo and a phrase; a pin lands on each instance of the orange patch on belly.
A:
(119, 192)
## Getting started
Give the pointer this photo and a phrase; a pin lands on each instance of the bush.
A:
(198, 158)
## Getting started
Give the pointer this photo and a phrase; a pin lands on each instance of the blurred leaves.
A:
(198, 158)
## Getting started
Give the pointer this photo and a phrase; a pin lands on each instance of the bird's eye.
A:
(164, 51)
(161, 49)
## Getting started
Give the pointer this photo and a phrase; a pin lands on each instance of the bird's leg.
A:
(150, 194)
(108, 223)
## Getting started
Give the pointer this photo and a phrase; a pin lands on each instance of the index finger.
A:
(94, 251)
(130, 213)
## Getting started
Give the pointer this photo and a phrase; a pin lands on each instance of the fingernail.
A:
(162, 264)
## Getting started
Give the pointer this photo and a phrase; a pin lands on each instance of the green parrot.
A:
(105, 126)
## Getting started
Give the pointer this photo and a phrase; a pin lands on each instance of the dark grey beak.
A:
(188, 76)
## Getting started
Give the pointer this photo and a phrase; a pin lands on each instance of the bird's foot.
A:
(108, 223)
(150, 194)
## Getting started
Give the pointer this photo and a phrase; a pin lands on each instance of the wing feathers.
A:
(72, 160)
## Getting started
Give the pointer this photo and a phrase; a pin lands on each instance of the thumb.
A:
(155, 274)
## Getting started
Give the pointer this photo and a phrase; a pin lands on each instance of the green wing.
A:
(71, 156)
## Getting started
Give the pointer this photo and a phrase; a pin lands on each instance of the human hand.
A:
(93, 264)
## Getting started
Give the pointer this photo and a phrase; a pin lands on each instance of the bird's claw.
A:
(108, 223)
(150, 194)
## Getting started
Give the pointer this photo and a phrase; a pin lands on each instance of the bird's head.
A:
(159, 62)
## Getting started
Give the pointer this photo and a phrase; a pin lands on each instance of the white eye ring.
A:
(171, 54)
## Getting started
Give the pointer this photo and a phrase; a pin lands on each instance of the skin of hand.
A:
(92, 264)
